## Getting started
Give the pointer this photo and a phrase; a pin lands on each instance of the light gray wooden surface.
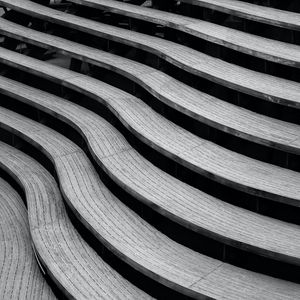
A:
(254, 12)
(20, 276)
(204, 157)
(279, 52)
(200, 106)
(264, 86)
(73, 265)
(178, 201)
(125, 233)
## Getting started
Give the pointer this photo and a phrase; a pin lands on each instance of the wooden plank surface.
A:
(20, 276)
(260, 85)
(73, 265)
(199, 155)
(200, 106)
(167, 195)
(253, 12)
(119, 228)
(279, 52)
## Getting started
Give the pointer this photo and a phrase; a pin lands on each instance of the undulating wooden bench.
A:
(253, 12)
(279, 52)
(74, 266)
(176, 200)
(121, 230)
(197, 105)
(20, 277)
(260, 85)
(199, 155)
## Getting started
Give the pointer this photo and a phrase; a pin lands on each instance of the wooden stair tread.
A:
(259, 13)
(200, 106)
(280, 52)
(77, 269)
(204, 157)
(169, 196)
(20, 276)
(264, 86)
(191, 273)
(110, 220)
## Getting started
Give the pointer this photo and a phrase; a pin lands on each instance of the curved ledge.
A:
(260, 85)
(268, 49)
(122, 231)
(195, 104)
(200, 156)
(170, 197)
(20, 276)
(73, 265)
(250, 11)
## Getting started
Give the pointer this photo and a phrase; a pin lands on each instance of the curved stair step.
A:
(125, 233)
(20, 277)
(250, 11)
(73, 265)
(260, 85)
(178, 201)
(201, 156)
(272, 50)
(197, 105)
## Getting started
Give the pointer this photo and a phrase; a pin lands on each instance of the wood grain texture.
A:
(178, 201)
(260, 85)
(119, 228)
(199, 155)
(20, 277)
(279, 52)
(73, 265)
(200, 106)
(254, 12)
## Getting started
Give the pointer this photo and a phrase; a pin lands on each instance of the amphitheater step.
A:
(20, 276)
(180, 202)
(257, 84)
(75, 267)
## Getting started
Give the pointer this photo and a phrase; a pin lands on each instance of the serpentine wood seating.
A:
(260, 85)
(210, 110)
(250, 11)
(199, 155)
(125, 233)
(268, 49)
(167, 195)
(122, 231)
(73, 265)
(20, 276)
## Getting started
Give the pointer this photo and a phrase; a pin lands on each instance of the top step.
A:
(276, 51)
(258, 13)
(197, 105)
(260, 85)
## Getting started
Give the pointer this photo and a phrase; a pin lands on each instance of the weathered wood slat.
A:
(200, 106)
(111, 221)
(260, 85)
(122, 231)
(20, 277)
(279, 52)
(250, 11)
(74, 266)
(199, 155)
(178, 201)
